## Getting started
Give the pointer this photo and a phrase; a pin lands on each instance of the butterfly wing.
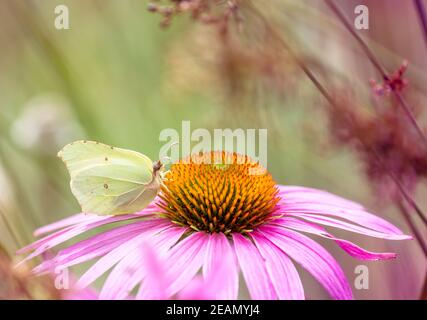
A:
(107, 180)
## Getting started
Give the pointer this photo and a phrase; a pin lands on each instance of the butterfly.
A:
(111, 181)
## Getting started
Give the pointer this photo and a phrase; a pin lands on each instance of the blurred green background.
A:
(117, 77)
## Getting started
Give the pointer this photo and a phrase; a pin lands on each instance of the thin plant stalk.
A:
(402, 102)
(421, 11)
(413, 227)
(406, 195)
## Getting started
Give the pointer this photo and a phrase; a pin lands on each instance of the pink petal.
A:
(297, 194)
(220, 263)
(351, 248)
(362, 218)
(332, 222)
(114, 256)
(313, 257)
(184, 260)
(298, 200)
(199, 289)
(52, 240)
(133, 267)
(155, 283)
(281, 270)
(162, 244)
(92, 252)
(75, 219)
(253, 268)
(99, 245)
(84, 219)
(112, 234)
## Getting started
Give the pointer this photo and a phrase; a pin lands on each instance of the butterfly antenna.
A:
(162, 160)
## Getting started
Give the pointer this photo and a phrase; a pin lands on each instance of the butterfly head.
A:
(157, 167)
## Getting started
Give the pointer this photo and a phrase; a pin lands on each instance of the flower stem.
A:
(402, 102)
(400, 186)
(332, 103)
(421, 10)
(412, 226)
(295, 57)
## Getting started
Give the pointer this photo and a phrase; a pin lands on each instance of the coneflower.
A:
(218, 214)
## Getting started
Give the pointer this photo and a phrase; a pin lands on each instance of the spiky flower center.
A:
(219, 192)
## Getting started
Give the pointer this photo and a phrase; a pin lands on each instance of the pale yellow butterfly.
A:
(110, 181)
